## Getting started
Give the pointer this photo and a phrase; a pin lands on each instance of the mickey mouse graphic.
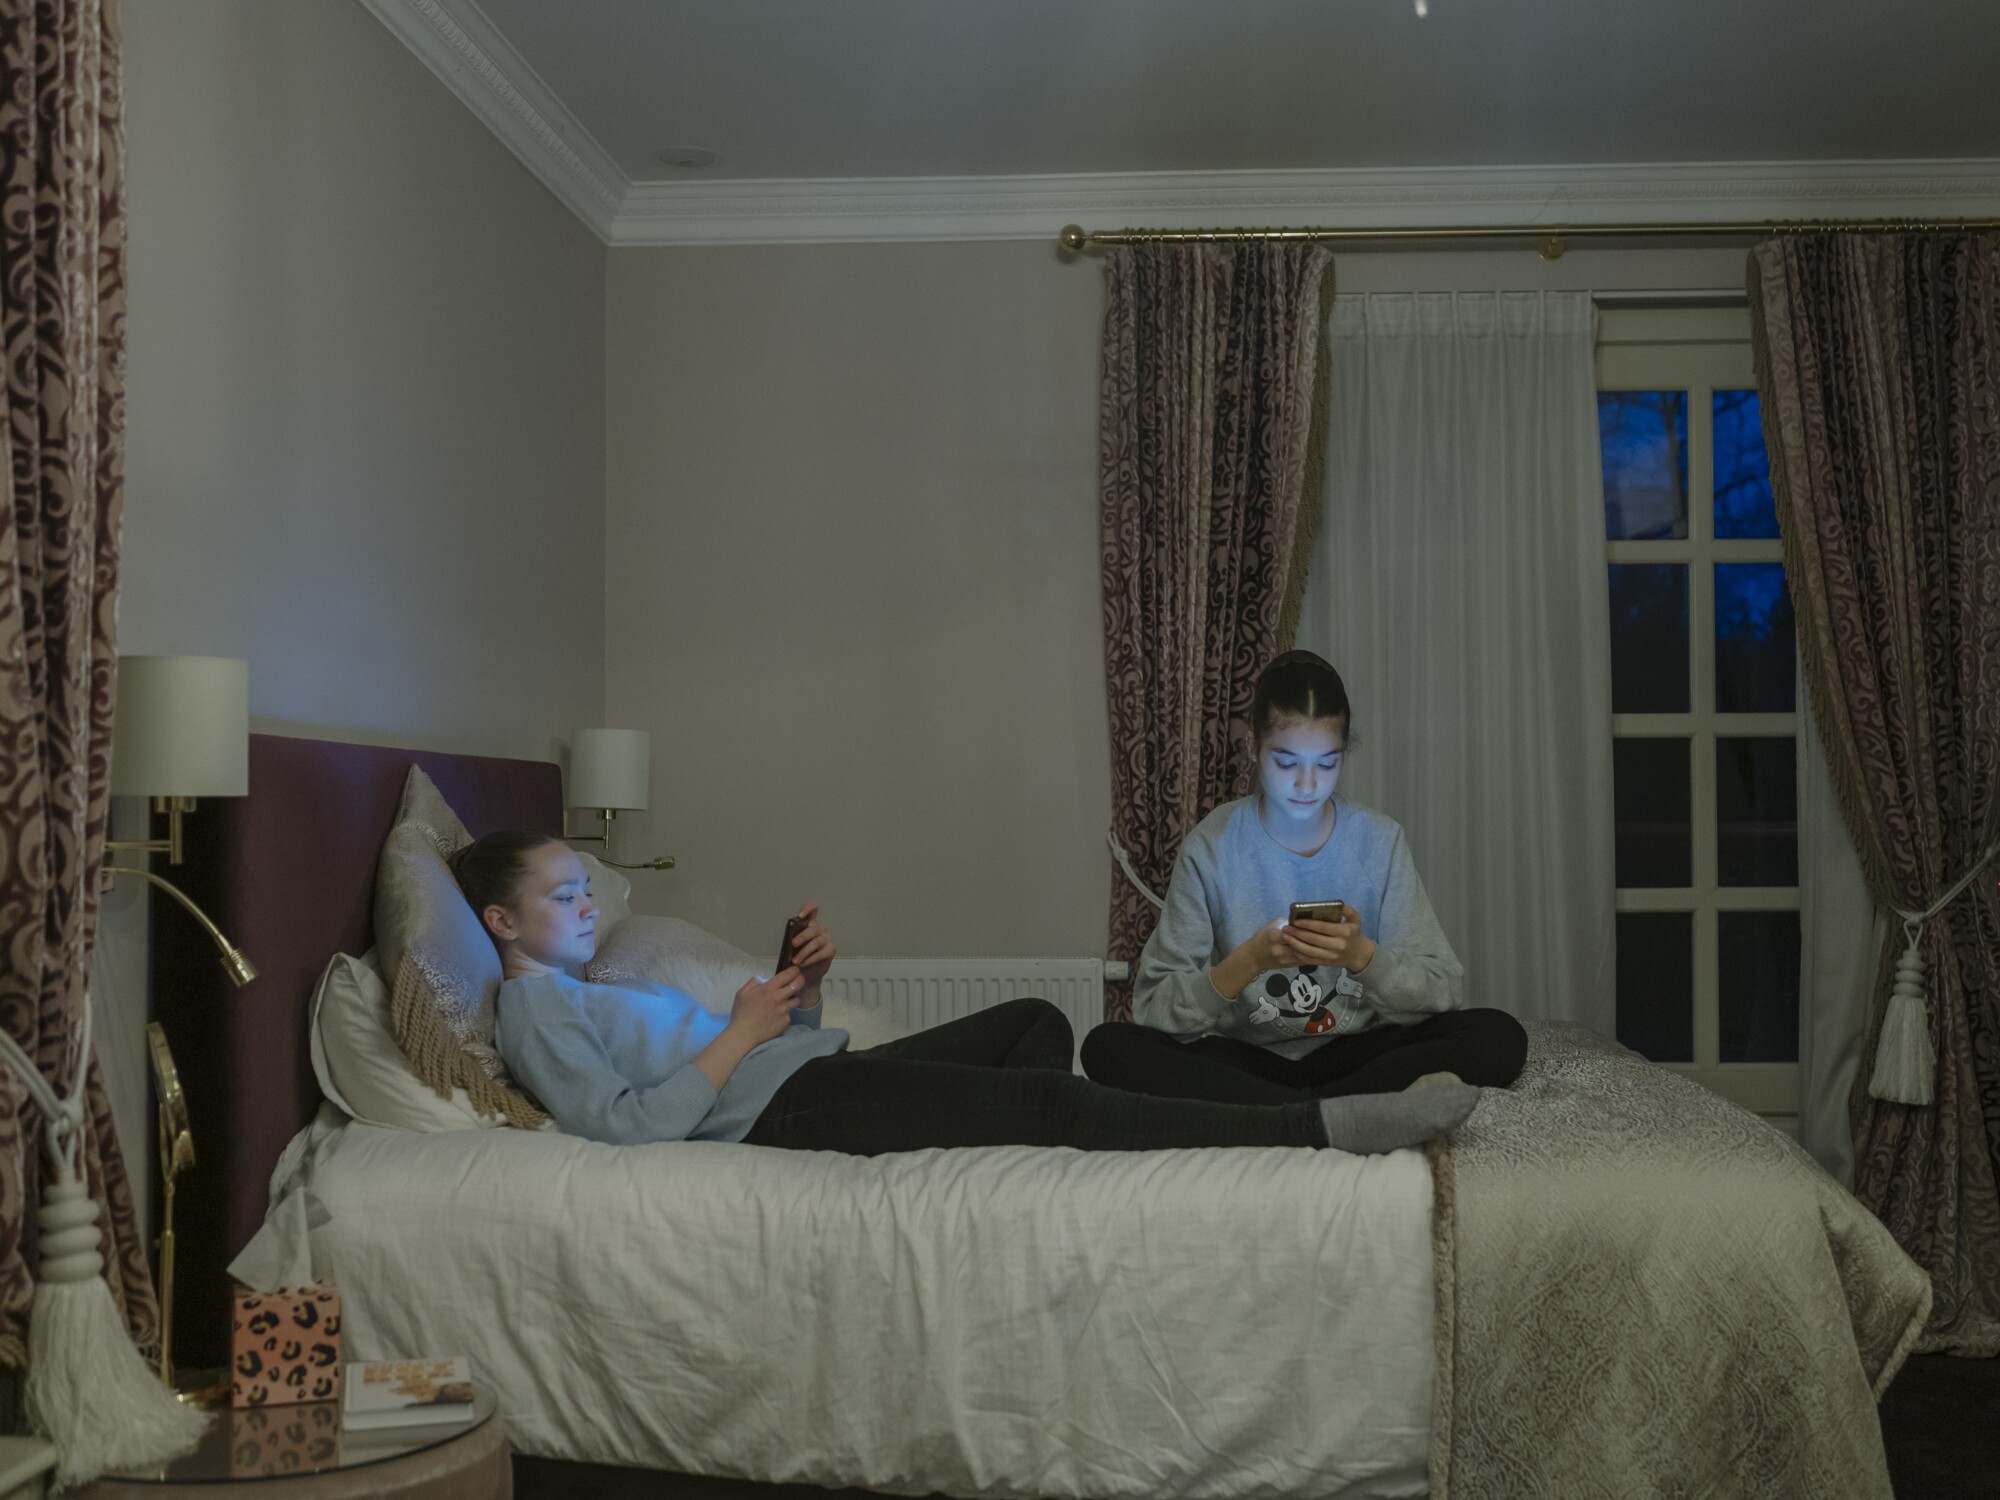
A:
(1298, 996)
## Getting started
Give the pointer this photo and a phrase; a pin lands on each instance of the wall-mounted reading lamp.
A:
(180, 731)
(610, 771)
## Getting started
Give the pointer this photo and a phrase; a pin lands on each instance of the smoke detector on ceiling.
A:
(685, 157)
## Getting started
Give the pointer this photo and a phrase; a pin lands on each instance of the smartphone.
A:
(1319, 911)
(793, 928)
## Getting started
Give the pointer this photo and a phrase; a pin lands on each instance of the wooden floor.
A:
(1940, 1427)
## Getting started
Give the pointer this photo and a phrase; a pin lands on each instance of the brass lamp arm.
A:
(173, 845)
(240, 968)
(608, 814)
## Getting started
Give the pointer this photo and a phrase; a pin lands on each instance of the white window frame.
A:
(1700, 351)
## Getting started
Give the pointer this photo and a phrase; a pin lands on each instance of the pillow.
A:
(443, 970)
(668, 950)
(359, 1066)
(611, 891)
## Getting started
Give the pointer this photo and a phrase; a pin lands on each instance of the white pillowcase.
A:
(359, 1066)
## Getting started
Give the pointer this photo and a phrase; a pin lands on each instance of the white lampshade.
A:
(610, 768)
(180, 727)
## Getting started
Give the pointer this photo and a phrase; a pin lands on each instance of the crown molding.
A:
(472, 59)
(1001, 208)
(469, 55)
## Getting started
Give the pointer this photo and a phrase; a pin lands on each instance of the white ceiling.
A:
(957, 88)
(796, 91)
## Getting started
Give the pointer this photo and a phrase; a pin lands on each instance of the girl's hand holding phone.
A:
(763, 1007)
(1339, 945)
(812, 950)
(1270, 947)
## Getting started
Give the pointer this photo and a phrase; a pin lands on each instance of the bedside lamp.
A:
(180, 731)
(611, 771)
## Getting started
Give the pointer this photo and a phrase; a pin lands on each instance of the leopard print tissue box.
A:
(284, 1346)
(296, 1440)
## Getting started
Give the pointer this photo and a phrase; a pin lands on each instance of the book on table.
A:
(405, 1392)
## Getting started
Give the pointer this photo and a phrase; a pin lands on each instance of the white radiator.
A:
(919, 992)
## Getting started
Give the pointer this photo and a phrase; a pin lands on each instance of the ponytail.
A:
(490, 870)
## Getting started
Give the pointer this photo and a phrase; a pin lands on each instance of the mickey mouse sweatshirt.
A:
(1232, 878)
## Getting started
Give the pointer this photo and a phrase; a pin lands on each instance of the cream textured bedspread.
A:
(1010, 1321)
(1644, 1290)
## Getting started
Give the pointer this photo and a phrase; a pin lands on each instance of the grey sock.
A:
(1368, 1124)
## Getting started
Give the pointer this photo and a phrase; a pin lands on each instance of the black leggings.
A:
(1001, 1077)
(1484, 1047)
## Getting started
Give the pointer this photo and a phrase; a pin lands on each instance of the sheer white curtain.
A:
(1458, 583)
(1840, 938)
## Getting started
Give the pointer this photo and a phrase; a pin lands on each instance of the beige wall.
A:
(851, 524)
(365, 404)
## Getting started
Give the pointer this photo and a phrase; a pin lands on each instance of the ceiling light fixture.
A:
(686, 157)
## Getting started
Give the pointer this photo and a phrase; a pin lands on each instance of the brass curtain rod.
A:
(1551, 239)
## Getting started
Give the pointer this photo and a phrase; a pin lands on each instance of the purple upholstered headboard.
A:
(288, 873)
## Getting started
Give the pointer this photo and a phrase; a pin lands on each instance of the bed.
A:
(1609, 1281)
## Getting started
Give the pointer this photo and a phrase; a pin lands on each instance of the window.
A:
(1704, 708)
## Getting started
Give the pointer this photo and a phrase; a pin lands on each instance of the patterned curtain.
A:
(1211, 396)
(1876, 362)
(62, 315)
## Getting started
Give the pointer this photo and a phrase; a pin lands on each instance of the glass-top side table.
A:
(247, 1444)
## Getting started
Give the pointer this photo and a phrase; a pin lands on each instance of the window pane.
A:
(1649, 638)
(1759, 955)
(1756, 663)
(1655, 810)
(1743, 503)
(1756, 810)
(1643, 437)
(1656, 984)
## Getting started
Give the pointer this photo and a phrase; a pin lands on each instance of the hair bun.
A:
(1299, 685)
(1300, 657)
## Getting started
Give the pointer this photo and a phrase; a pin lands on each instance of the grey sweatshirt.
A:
(615, 1062)
(1232, 878)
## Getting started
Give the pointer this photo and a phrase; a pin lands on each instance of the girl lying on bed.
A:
(639, 1061)
(1235, 1003)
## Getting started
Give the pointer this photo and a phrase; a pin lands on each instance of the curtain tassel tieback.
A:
(1125, 863)
(88, 1390)
(1905, 1061)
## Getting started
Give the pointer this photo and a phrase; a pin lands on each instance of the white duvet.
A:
(1009, 1321)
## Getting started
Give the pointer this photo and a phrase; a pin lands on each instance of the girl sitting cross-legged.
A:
(640, 1061)
(1235, 1003)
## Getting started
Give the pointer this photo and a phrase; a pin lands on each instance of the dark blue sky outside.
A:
(1643, 436)
(1751, 606)
(1743, 505)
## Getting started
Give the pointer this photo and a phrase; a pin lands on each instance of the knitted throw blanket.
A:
(1644, 1290)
